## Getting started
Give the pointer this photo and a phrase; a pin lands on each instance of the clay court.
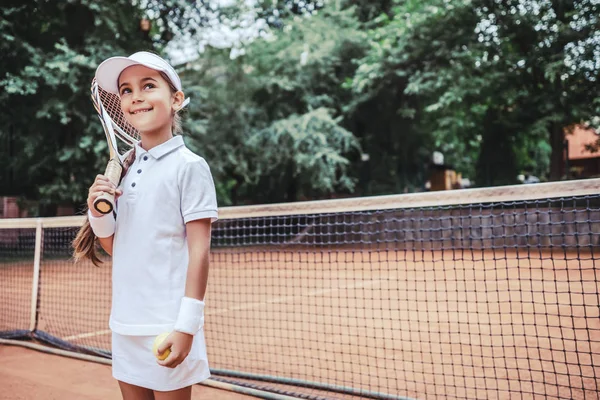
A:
(427, 324)
(30, 374)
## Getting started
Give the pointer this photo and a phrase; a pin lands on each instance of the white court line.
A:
(283, 299)
(355, 286)
(250, 306)
(87, 335)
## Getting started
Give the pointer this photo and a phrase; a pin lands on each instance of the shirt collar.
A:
(162, 149)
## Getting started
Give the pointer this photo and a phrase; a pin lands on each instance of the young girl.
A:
(159, 239)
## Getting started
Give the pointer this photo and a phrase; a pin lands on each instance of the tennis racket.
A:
(120, 135)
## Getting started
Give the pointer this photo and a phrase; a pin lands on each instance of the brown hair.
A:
(85, 244)
(176, 124)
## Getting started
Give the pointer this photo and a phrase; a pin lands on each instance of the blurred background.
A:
(300, 99)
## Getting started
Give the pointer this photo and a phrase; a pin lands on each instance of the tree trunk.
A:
(291, 192)
(557, 161)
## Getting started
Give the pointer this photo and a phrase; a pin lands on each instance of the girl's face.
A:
(147, 100)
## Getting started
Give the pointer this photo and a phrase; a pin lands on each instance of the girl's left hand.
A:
(180, 344)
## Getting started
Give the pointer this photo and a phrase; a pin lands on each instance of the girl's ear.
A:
(178, 99)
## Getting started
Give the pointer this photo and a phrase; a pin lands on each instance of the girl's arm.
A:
(198, 236)
(102, 185)
(199, 210)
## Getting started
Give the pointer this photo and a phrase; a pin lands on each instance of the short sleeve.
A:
(198, 196)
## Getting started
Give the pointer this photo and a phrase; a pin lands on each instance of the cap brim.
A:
(108, 72)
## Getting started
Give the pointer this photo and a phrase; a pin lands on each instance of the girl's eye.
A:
(125, 91)
(148, 86)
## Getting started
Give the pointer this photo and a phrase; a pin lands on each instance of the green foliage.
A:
(270, 122)
(294, 114)
(305, 149)
(495, 82)
(50, 51)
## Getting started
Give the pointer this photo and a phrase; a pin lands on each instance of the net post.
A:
(36, 272)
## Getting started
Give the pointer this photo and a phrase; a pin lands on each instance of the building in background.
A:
(13, 207)
(9, 208)
(581, 160)
(443, 176)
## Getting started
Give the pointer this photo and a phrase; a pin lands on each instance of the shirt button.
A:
(133, 184)
(145, 158)
(139, 171)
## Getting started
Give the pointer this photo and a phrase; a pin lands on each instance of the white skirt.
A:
(133, 362)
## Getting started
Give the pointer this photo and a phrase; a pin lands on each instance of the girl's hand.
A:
(180, 344)
(101, 185)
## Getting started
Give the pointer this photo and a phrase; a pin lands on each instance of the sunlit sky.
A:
(221, 35)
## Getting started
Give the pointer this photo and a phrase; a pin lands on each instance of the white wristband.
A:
(103, 226)
(191, 316)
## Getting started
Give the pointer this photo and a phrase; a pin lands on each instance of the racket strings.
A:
(123, 129)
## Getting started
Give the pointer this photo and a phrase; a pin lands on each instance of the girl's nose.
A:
(137, 97)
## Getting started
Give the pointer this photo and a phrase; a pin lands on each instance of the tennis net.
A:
(482, 293)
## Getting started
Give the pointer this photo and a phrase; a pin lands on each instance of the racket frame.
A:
(105, 202)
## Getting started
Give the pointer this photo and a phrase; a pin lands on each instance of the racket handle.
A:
(105, 203)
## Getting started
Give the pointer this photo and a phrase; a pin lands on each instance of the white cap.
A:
(108, 72)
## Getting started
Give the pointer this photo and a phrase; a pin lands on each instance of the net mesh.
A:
(16, 276)
(494, 299)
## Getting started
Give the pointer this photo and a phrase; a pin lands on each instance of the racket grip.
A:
(105, 203)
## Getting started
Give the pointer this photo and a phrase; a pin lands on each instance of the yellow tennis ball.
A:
(159, 339)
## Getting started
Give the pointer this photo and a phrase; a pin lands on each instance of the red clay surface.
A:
(431, 324)
(29, 375)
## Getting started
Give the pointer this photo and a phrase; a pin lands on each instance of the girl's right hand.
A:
(101, 185)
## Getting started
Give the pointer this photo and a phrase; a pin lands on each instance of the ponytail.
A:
(176, 126)
(85, 243)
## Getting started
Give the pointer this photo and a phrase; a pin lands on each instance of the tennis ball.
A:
(159, 339)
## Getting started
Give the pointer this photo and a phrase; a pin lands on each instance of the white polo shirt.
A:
(164, 189)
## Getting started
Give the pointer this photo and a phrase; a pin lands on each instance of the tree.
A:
(270, 121)
(294, 109)
(50, 51)
(383, 114)
(491, 80)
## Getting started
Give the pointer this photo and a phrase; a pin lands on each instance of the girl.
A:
(159, 239)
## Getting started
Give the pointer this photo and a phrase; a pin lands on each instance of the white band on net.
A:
(191, 316)
(103, 226)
